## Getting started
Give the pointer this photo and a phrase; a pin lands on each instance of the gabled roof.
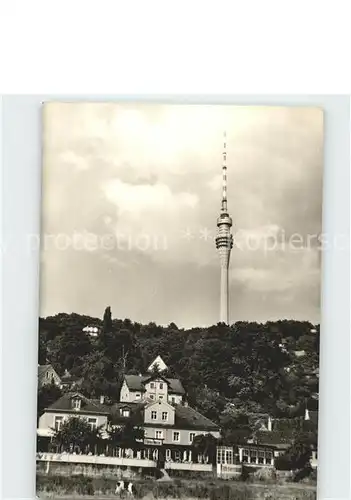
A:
(159, 362)
(148, 378)
(151, 403)
(42, 369)
(136, 383)
(87, 405)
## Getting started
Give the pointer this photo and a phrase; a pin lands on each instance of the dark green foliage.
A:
(47, 395)
(243, 364)
(76, 432)
(236, 427)
(297, 457)
(127, 436)
(205, 444)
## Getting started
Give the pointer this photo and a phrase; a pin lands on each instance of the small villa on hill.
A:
(149, 387)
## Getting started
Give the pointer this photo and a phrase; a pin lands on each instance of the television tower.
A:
(224, 241)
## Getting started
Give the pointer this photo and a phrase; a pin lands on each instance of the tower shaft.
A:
(224, 243)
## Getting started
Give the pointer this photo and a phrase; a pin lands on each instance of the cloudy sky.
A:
(131, 194)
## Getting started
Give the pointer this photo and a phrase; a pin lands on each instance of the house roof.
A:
(185, 417)
(279, 439)
(136, 412)
(63, 404)
(42, 369)
(70, 379)
(136, 383)
(188, 418)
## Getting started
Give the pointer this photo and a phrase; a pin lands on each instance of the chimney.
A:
(102, 399)
(269, 424)
(307, 414)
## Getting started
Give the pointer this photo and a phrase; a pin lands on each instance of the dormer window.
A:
(125, 412)
(76, 402)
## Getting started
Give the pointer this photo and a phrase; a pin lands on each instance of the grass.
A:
(74, 487)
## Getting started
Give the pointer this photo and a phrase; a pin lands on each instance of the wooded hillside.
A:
(252, 367)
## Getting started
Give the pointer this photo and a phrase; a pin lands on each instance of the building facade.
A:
(72, 405)
(136, 388)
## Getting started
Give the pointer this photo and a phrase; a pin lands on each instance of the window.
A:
(159, 434)
(220, 456)
(152, 385)
(125, 413)
(191, 436)
(165, 416)
(154, 415)
(161, 385)
(173, 400)
(176, 436)
(58, 423)
(76, 404)
(229, 457)
(152, 396)
(93, 423)
(137, 395)
(160, 397)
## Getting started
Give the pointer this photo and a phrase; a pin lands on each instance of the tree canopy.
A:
(249, 366)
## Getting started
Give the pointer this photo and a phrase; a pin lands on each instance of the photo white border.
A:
(21, 143)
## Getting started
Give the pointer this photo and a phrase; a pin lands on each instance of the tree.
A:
(127, 436)
(205, 444)
(236, 427)
(155, 371)
(209, 402)
(107, 321)
(75, 433)
(47, 395)
(297, 457)
(101, 376)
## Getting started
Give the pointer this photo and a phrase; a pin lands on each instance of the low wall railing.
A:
(119, 461)
(94, 460)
